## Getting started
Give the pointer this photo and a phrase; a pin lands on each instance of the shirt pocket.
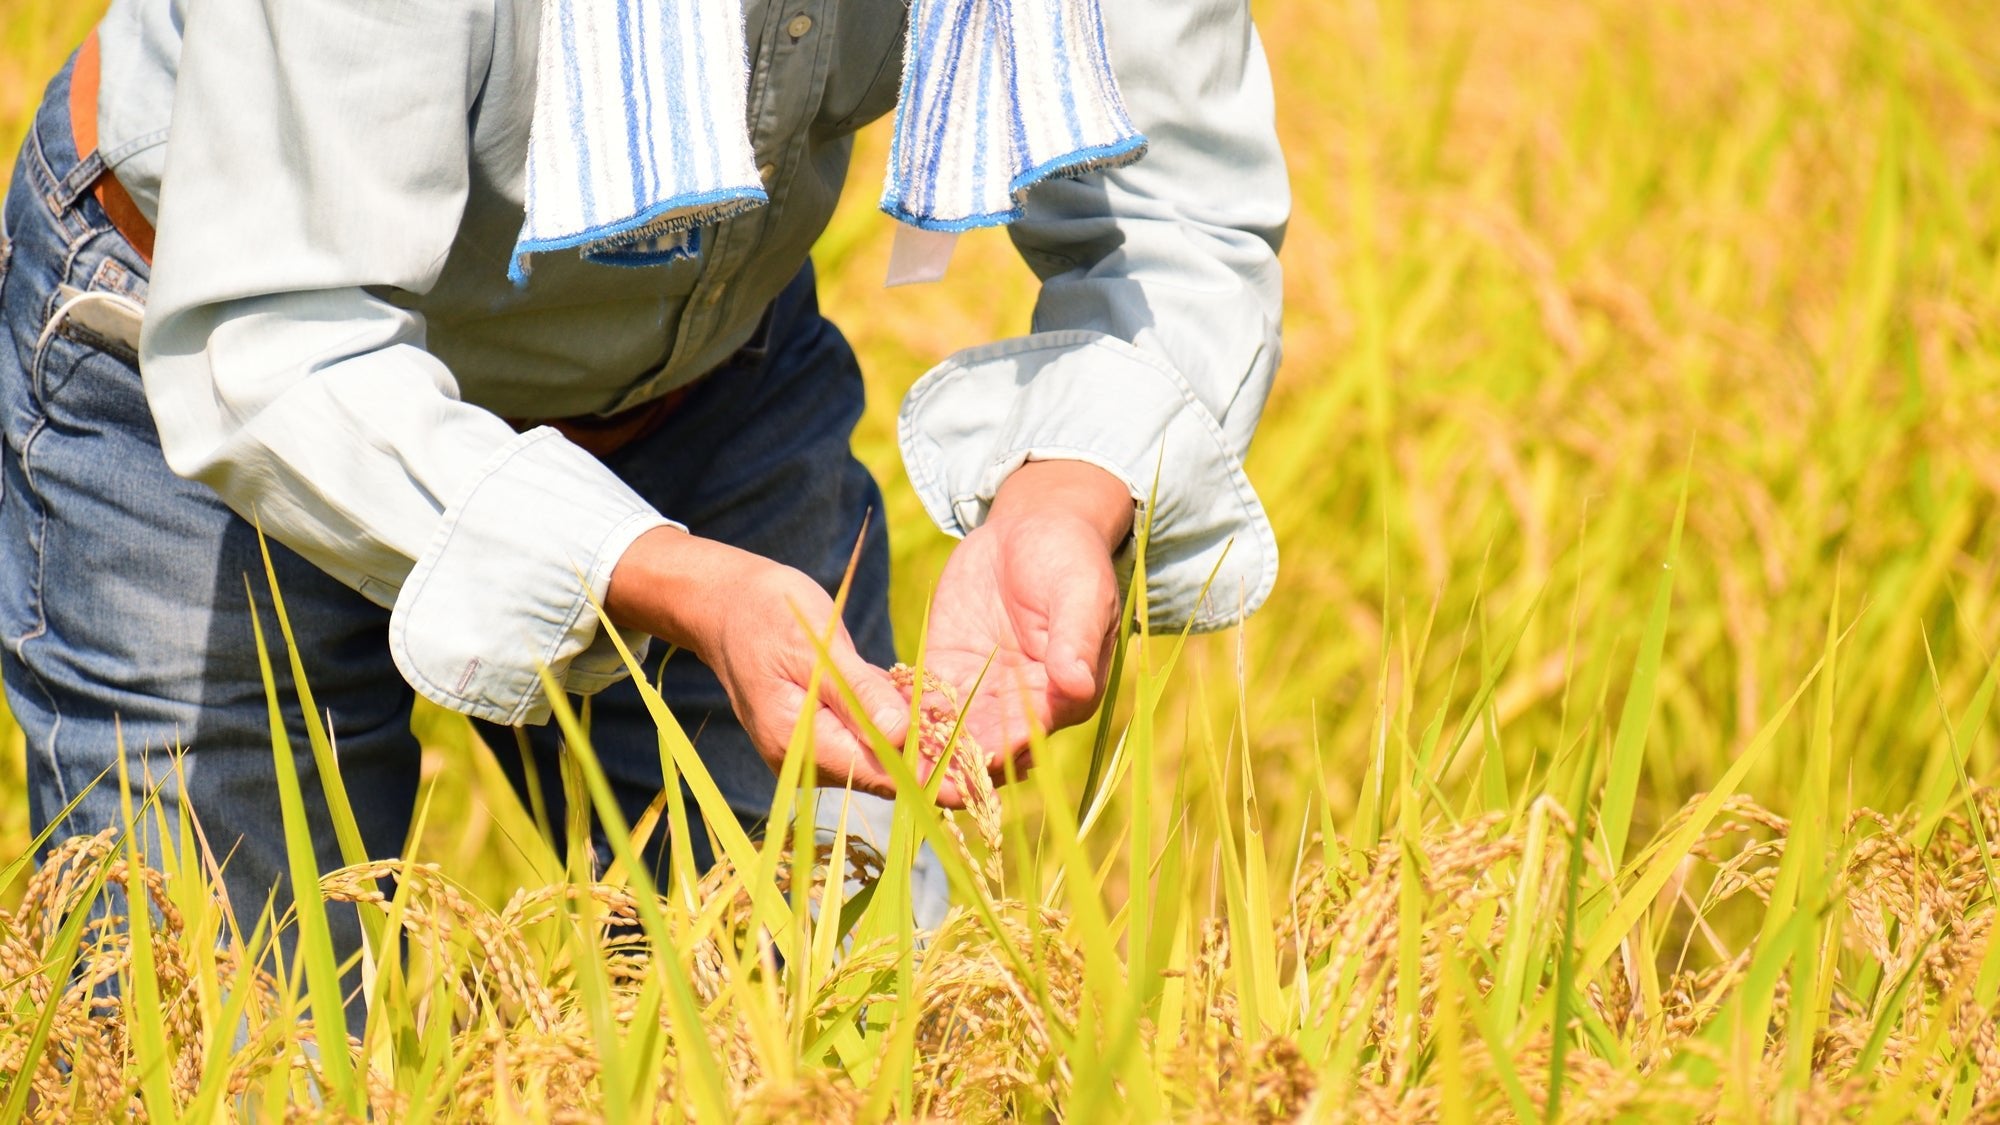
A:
(867, 71)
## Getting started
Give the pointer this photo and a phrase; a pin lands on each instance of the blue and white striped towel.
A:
(640, 133)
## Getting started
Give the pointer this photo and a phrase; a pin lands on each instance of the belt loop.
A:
(79, 180)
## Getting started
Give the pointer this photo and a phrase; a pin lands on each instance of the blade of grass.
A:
(1132, 620)
(1804, 877)
(1664, 858)
(315, 937)
(1621, 784)
(346, 831)
(1567, 972)
(145, 1020)
(700, 1072)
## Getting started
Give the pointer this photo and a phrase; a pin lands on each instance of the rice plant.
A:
(1617, 743)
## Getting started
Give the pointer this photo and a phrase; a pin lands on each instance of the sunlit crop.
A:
(1615, 744)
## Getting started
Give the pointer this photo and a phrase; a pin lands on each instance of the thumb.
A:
(843, 761)
(1081, 613)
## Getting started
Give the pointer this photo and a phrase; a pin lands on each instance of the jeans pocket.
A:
(88, 355)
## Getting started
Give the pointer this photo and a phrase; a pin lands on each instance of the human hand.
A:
(747, 617)
(1033, 588)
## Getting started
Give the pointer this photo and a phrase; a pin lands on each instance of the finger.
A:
(842, 760)
(880, 699)
(841, 752)
(1013, 767)
(950, 795)
(1110, 642)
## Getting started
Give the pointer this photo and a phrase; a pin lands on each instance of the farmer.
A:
(487, 310)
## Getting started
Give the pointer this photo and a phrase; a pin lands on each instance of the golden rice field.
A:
(1616, 744)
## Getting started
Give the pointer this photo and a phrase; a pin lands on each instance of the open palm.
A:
(1036, 595)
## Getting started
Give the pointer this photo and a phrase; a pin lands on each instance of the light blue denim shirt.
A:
(332, 343)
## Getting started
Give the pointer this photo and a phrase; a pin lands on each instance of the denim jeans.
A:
(125, 612)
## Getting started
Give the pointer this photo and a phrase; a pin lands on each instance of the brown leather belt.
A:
(111, 195)
(604, 435)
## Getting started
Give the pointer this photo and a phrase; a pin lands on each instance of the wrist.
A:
(671, 584)
(1073, 489)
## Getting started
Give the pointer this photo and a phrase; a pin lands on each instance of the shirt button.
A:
(768, 173)
(799, 26)
(715, 294)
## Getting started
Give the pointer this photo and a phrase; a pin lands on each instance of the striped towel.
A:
(640, 133)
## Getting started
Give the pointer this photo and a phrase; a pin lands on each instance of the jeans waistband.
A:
(48, 156)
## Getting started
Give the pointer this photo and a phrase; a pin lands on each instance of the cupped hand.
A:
(1033, 589)
(748, 618)
(764, 658)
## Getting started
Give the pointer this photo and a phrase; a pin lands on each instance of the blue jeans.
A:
(124, 609)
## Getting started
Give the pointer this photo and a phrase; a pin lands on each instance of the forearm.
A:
(679, 587)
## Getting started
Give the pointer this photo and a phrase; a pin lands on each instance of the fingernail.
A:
(887, 718)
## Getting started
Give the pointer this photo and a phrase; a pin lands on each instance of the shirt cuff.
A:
(505, 585)
(1086, 396)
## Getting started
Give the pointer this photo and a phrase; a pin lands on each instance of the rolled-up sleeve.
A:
(318, 158)
(1156, 334)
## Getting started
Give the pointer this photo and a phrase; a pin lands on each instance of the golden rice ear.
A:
(1488, 817)
(942, 738)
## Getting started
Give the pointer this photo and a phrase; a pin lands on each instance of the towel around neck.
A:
(640, 133)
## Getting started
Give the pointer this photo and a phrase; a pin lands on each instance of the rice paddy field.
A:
(1617, 744)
